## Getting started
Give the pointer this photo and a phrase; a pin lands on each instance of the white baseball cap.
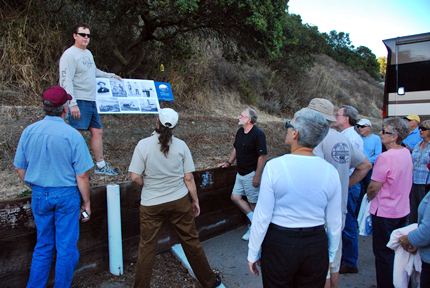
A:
(168, 117)
(364, 122)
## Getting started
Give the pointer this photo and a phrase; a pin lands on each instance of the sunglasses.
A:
(83, 35)
(386, 132)
(289, 125)
(422, 128)
(361, 126)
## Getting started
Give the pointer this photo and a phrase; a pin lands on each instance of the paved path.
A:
(227, 253)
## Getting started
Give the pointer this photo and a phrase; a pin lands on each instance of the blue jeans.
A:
(56, 215)
(350, 232)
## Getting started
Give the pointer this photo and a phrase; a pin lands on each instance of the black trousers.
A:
(425, 275)
(418, 192)
(296, 257)
(384, 256)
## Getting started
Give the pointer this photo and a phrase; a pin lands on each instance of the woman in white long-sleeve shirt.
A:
(299, 194)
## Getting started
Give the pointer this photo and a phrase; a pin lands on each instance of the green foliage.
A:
(342, 50)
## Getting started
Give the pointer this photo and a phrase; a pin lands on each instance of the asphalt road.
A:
(227, 253)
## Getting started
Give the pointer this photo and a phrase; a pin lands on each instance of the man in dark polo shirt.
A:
(250, 152)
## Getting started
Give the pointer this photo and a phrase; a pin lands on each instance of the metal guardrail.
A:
(18, 233)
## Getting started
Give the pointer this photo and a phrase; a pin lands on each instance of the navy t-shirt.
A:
(248, 148)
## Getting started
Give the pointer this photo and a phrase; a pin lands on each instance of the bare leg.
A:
(334, 280)
(243, 205)
(96, 143)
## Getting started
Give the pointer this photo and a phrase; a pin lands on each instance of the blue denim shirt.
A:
(420, 158)
(53, 153)
(420, 237)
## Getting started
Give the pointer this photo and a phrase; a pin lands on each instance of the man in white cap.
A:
(414, 133)
(337, 150)
(163, 166)
(372, 148)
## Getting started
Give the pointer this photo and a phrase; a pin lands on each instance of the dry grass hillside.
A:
(208, 125)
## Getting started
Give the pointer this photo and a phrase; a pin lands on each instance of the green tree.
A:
(129, 27)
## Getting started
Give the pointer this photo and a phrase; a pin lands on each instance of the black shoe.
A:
(218, 280)
(345, 269)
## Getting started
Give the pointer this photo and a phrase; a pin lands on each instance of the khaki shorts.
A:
(243, 186)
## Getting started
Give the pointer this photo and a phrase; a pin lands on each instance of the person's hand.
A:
(404, 241)
(75, 112)
(256, 181)
(196, 208)
(253, 267)
(224, 164)
(87, 208)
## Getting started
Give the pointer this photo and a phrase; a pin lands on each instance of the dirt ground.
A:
(167, 272)
(209, 136)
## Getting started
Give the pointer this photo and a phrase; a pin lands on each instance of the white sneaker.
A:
(245, 236)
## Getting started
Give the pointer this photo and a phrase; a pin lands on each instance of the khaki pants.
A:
(179, 213)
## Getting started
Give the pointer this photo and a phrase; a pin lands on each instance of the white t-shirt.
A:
(355, 139)
(163, 177)
(297, 192)
(338, 151)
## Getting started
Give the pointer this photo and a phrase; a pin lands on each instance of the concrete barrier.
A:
(18, 233)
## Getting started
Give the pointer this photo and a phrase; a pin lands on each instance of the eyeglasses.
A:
(422, 128)
(361, 126)
(84, 35)
(289, 125)
(386, 132)
(245, 116)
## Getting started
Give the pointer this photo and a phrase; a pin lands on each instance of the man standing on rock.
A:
(53, 159)
(250, 152)
(346, 119)
(78, 74)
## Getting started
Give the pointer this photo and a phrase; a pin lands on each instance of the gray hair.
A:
(400, 127)
(52, 110)
(312, 127)
(252, 115)
(352, 113)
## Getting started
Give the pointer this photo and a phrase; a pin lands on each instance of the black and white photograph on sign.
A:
(109, 105)
(149, 105)
(126, 96)
(117, 88)
(133, 88)
(148, 88)
(101, 87)
(129, 105)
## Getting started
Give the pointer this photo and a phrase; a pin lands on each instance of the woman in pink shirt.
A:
(389, 192)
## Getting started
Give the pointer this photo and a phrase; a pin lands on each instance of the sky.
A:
(368, 22)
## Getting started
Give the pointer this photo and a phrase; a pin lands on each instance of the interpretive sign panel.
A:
(131, 95)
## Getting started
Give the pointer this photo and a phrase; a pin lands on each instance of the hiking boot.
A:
(106, 170)
(245, 236)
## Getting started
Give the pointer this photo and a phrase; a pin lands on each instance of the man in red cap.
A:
(53, 159)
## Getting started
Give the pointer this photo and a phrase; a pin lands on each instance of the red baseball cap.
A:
(56, 95)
